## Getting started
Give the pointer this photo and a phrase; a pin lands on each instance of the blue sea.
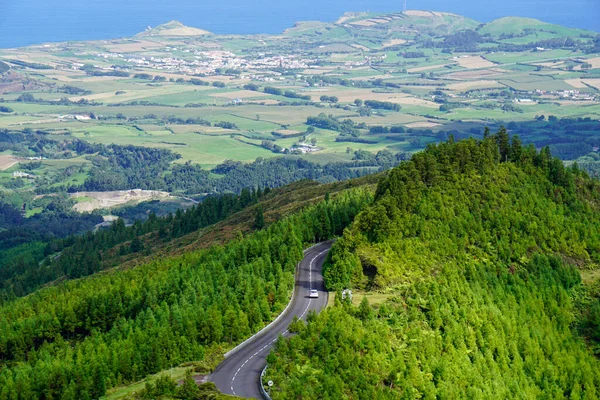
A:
(24, 22)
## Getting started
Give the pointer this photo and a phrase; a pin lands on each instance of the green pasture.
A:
(517, 25)
(508, 58)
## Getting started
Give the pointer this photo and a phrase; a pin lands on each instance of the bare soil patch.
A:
(474, 62)
(592, 82)
(413, 101)
(594, 61)
(97, 200)
(426, 68)
(576, 83)
(425, 124)
(393, 42)
(14, 82)
(7, 161)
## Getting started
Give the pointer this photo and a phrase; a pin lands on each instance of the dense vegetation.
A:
(568, 138)
(117, 167)
(75, 340)
(126, 167)
(57, 220)
(476, 243)
(234, 176)
(24, 270)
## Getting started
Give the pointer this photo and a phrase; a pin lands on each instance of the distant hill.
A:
(520, 25)
(412, 19)
(173, 28)
(399, 30)
(376, 30)
(386, 24)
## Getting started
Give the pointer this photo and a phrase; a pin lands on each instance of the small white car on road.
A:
(314, 294)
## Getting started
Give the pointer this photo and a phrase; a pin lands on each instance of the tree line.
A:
(79, 255)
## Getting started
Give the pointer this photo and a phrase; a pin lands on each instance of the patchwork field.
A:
(178, 88)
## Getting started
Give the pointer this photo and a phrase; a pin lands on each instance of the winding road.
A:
(239, 373)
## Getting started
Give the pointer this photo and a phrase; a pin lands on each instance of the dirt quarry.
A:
(90, 201)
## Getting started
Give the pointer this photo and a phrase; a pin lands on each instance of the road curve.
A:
(239, 373)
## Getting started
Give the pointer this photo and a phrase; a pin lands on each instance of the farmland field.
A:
(212, 98)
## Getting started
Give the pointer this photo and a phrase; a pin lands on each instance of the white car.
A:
(314, 294)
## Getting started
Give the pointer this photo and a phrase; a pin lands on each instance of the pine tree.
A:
(259, 219)
(516, 149)
(503, 144)
(136, 245)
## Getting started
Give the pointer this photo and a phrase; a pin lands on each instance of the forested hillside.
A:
(77, 339)
(29, 266)
(217, 220)
(477, 246)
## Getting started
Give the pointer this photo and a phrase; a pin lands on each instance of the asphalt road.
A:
(239, 373)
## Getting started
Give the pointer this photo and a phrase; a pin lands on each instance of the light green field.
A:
(325, 46)
(508, 58)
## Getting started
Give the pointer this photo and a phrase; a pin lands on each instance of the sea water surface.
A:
(24, 22)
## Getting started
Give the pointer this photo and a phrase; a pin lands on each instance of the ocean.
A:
(24, 22)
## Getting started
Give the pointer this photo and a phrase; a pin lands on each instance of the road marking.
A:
(310, 266)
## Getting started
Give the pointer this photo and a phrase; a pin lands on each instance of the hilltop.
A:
(520, 25)
(391, 29)
(474, 269)
(384, 26)
(173, 29)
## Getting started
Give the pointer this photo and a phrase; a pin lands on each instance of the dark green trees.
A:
(259, 219)
(470, 243)
(82, 337)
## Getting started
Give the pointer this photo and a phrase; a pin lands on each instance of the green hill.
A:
(174, 29)
(383, 26)
(179, 295)
(480, 262)
(520, 25)
(414, 20)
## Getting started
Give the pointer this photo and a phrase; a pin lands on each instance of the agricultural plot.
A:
(112, 95)
(473, 62)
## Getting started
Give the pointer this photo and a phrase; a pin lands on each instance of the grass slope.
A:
(517, 25)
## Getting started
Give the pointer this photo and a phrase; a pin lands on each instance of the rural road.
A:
(239, 373)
